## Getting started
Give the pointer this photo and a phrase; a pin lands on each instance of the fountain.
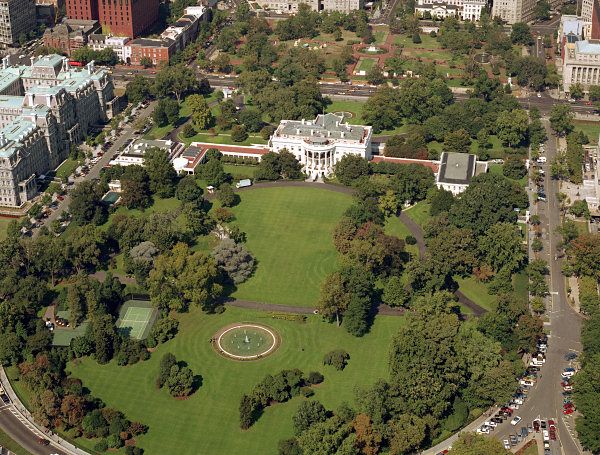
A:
(246, 341)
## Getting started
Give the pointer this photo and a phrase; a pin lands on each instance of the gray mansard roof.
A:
(324, 126)
(457, 168)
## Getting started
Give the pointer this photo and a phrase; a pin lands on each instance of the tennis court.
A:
(136, 318)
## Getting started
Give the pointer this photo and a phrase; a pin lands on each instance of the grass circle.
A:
(245, 341)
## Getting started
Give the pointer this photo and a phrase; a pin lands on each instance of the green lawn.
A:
(8, 443)
(207, 422)
(289, 233)
(240, 171)
(496, 151)
(477, 292)
(495, 168)
(380, 34)
(419, 213)
(66, 168)
(582, 227)
(365, 64)
(393, 226)
(591, 129)
(4, 222)
(222, 138)
(354, 107)
(521, 285)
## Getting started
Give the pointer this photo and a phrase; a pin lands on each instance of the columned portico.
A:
(319, 144)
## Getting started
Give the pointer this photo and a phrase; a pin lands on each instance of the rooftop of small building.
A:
(325, 126)
(151, 42)
(457, 168)
(11, 102)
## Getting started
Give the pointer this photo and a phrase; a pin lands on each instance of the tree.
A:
(473, 444)
(368, 440)
(389, 204)
(521, 34)
(138, 89)
(251, 120)
(580, 209)
(394, 293)
(166, 112)
(502, 247)
(238, 133)
(307, 414)
(408, 433)
(174, 80)
(180, 381)
(514, 168)
(146, 62)
(86, 247)
(441, 201)
(161, 174)
(512, 127)
(489, 199)
(583, 255)
(375, 76)
(181, 278)
(561, 119)
(337, 358)
(163, 330)
(457, 141)
(202, 117)
(576, 91)
(86, 206)
(542, 10)
(135, 187)
(382, 110)
(212, 171)
(350, 168)
(227, 196)
(167, 361)
(234, 259)
(188, 191)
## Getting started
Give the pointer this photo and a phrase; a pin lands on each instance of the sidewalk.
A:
(472, 427)
(25, 417)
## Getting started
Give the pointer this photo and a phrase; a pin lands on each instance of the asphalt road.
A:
(94, 173)
(564, 326)
(23, 433)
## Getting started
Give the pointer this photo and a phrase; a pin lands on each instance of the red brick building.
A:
(157, 50)
(118, 17)
(82, 9)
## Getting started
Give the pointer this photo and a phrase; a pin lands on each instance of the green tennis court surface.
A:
(136, 318)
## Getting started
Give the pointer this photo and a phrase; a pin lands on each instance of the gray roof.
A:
(323, 127)
(457, 168)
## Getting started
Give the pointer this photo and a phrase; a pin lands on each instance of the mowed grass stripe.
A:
(208, 422)
(289, 233)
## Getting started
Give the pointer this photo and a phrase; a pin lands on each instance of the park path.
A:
(383, 309)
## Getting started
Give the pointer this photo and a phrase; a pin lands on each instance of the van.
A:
(541, 160)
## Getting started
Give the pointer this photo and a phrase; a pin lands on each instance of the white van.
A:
(541, 160)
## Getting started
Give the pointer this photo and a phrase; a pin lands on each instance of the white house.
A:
(319, 144)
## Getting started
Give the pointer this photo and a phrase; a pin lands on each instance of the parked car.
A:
(506, 443)
(568, 388)
(536, 425)
(515, 420)
(546, 435)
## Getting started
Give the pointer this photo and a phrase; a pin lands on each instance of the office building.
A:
(513, 11)
(17, 19)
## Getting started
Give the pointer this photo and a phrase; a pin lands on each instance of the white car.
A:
(492, 425)
(546, 435)
(541, 160)
(506, 443)
(568, 374)
(483, 430)
(515, 420)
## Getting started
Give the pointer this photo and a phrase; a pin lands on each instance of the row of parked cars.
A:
(567, 385)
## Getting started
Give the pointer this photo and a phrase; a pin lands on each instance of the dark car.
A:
(497, 420)
(5, 398)
(43, 442)
(536, 425)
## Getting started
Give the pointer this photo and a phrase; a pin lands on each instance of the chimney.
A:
(30, 98)
(337, 123)
(303, 120)
(298, 131)
(342, 135)
(2, 139)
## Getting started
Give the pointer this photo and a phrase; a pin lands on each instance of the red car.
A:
(552, 434)
(568, 411)
(588, 103)
(43, 442)
(568, 405)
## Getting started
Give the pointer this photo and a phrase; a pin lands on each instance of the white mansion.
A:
(44, 108)
(319, 144)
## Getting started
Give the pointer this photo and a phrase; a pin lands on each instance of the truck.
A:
(243, 183)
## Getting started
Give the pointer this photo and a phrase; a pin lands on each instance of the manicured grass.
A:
(66, 168)
(495, 151)
(532, 449)
(521, 285)
(591, 129)
(393, 226)
(495, 168)
(240, 171)
(380, 35)
(354, 107)
(4, 222)
(419, 213)
(8, 443)
(477, 292)
(208, 422)
(289, 233)
(365, 64)
(222, 138)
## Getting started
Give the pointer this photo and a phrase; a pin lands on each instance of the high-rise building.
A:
(513, 11)
(118, 17)
(86, 10)
(17, 18)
